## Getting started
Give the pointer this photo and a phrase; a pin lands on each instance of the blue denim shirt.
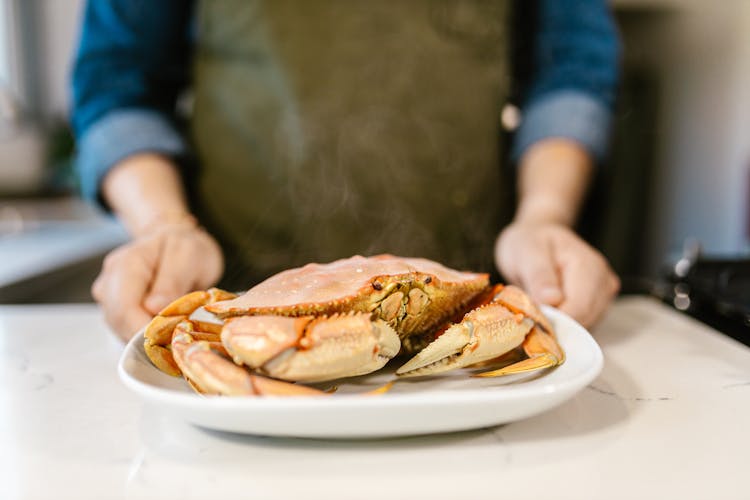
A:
(134, 61)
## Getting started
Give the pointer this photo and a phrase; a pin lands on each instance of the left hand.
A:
(556, 267)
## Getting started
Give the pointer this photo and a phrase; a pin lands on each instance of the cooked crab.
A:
(350, 317)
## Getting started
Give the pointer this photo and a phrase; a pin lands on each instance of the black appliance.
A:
(714, 290)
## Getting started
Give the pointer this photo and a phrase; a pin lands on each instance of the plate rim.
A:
(434, 397)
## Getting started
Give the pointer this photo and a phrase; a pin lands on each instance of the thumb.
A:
(174, 277)
(156, 301)
(539, 276)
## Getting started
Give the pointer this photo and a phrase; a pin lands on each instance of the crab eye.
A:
(377, 285)
(428, 280)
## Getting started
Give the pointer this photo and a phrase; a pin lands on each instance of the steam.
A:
(391, 143)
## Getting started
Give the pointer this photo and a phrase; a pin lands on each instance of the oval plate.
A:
(446, 403)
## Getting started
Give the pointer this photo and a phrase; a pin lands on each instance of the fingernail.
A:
(550, 294)
(155, 303)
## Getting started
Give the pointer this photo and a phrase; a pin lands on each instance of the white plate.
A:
(451, 402)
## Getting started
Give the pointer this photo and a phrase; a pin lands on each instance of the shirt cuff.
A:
(565, 114)
(120, 134)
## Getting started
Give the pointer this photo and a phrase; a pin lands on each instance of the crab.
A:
(323, 322)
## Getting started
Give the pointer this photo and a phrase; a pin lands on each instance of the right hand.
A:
(140, 278)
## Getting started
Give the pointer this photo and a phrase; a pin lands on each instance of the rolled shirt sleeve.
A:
(132, 64)
(567, 114)
(119, 134)
(571, 94)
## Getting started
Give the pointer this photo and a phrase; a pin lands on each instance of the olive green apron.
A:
(327, 128)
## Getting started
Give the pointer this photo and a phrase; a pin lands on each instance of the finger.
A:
(212, 263)
(585, 285)
(130, 316)
(610, 287)
(97, 287)
(123, 285)
(176, 274)
(540, 276)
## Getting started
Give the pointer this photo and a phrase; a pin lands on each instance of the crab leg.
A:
(158, 334)
(542, 350)
(484, 333)
(509, 319)
(540, 344)
(311, 349)
(206, 369)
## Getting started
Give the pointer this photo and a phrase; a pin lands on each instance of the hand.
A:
(556, 267)
(140, 278)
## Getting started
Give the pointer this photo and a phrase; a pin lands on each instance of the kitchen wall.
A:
(699, 53)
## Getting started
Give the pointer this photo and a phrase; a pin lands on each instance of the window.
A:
(11, 73)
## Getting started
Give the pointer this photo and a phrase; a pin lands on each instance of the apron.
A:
(328, 128)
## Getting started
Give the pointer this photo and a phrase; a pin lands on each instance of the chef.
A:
(238, 138)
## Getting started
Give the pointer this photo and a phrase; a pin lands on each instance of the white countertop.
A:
(669, 417)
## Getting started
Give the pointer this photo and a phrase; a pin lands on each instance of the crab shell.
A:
(414, 296)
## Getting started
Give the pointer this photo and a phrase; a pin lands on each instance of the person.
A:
(317, 130)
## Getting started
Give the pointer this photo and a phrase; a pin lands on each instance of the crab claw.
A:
(542, 350)
(311, 350)
(208, 372)
(518, 301)
(158, 333)
(540, 344)
(484, 333)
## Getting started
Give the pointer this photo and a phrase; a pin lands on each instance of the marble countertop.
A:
(668, 417)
